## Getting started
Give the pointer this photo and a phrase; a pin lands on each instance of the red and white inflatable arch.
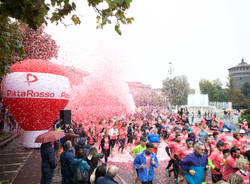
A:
(34, 94)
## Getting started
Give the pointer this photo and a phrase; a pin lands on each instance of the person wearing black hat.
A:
(216, 162)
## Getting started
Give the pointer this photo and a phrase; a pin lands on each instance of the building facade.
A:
(240, 74)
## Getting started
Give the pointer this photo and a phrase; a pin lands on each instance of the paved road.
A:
(19, 165)
(12, 159)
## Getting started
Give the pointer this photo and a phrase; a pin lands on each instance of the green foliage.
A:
(246, 115)
(230, 88)
(176, 89)
(116, 9)
(36, 12)
(214, 90)
(238, 99)
(32, 12)
(11, 48)
(246, 90)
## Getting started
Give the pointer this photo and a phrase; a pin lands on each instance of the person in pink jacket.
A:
(243, 165)
(217, 159)
(223, 138)
(236, 141)
(230, 164)
(243, 140)
(186, 149)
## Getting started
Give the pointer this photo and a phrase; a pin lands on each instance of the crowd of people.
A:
(198, 151)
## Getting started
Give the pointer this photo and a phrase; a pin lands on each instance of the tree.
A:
(176, 89)
(11, 48)
(230, 88)
(35, 12)
(214, 90)
(239, 101)
(246, 115)
(246, 90)
(234, 95)
(24, 43)
(37, 44)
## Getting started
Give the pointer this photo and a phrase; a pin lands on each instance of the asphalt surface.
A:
(19, 165)
(13, 157)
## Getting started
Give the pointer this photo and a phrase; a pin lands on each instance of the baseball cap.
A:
(242, 131)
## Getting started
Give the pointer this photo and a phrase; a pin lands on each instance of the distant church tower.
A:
(240, 74)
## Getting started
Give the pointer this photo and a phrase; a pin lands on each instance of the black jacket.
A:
(102, 143)
(66, 160)
(48, 156)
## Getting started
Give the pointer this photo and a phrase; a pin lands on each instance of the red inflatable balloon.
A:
(35, 92)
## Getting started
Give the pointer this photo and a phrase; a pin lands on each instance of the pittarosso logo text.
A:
(36, 94)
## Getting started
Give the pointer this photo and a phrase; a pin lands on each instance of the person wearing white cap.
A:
(223, 138)
(243, 140)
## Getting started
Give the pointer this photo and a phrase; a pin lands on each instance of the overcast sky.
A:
(202, 39)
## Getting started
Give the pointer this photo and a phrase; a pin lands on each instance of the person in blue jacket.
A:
(79, 161)
(195, 165)
(66, 160)
(48, 162)
(145, 162)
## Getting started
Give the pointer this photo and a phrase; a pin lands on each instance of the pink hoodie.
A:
(217, 159)
(230, 165)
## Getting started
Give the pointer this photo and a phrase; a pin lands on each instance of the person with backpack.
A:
(80, 169)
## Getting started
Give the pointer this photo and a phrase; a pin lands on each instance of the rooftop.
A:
(242, 63)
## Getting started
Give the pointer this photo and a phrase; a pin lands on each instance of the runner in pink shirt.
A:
(220, 123)
(215, 138)
(223, 138)
(184, 135)
(122, 137)
(236, 141)
(174, 147)
(243, 140)
(204, 122)
(137, 135)
(196, 128)
(230, 164)
(185, 150)
(209, 147)
(173, 135)
(244, 125)
(216, 159)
